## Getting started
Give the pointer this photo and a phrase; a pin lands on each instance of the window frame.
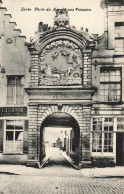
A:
(102, 153)
(14, 100)
(102, 69)
(14, 140)
(119, 123)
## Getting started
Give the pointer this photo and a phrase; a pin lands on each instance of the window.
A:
(14, 90)
(97, 135)
(102, 135)
(110, 85)
(119, 36)
(14, 136)
(120, 124)
(119, 28)
(119, 44)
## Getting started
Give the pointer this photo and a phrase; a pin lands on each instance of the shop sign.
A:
(13, 111)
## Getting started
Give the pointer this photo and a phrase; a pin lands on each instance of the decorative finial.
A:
(61, 18)
(42, 27)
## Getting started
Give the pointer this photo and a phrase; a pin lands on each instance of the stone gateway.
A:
(67, 79)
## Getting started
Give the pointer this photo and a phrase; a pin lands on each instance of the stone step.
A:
(86, 164)
(33, 163)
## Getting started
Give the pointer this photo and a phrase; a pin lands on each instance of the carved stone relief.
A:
(61, 64)
(61, 18)
(9, 40)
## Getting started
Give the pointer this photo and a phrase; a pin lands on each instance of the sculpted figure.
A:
(46, 71)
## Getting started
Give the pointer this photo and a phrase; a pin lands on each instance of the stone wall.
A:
(13, 158)
(98, 161)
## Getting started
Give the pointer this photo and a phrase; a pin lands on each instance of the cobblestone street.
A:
(59, 177)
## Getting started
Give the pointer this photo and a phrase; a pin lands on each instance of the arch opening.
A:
(60, 131)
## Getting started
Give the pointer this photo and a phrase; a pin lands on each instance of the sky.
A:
(52, 133)
(27, 19)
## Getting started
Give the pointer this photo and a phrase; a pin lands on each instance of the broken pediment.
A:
(61, 28)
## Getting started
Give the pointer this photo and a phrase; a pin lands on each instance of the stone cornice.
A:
(59, 90)
(105, 3)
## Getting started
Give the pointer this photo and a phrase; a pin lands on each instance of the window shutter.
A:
(1, 135)
(25, 137)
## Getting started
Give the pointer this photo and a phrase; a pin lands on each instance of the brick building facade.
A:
(63, 78)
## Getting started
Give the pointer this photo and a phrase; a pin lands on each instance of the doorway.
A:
(60, 131)
(120, 149)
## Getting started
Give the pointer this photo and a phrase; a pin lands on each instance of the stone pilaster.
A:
(87, 68)
(34, 69)
(85, 137)
(33, 137)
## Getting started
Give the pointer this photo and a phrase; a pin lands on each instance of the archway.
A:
(67, 139)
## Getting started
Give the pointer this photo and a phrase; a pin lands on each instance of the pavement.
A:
(58, 176)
